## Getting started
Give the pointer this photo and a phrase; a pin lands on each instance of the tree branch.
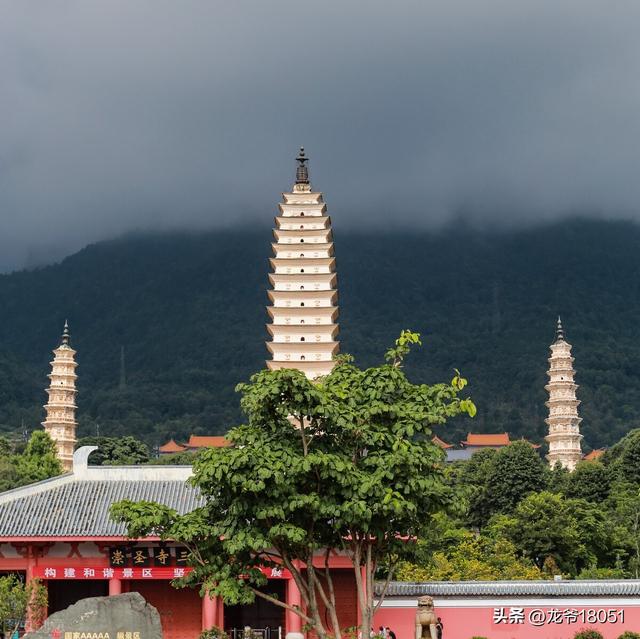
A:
(282, 604)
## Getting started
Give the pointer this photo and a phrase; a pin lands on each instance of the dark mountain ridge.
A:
(189, 311)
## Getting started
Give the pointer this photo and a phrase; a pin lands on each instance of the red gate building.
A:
(59, 530)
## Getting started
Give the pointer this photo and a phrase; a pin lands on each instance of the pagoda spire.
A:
(559, 331)
(303, 296)
(60, 421)
(302, 170)
(564, 422)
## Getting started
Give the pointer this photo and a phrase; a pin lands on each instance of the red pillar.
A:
(31, 564)
(220, 612)
(293, 621)
(115, 587)
(209, 612)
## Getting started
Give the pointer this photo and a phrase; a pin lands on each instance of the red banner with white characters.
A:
(81, 573)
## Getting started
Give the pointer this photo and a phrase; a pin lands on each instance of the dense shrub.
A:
(213, 633)
(588, 633)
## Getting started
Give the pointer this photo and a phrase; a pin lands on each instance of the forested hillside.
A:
(189, 312)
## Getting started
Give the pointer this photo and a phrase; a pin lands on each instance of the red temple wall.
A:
(344, 583)
(180, 609)
(550, 618)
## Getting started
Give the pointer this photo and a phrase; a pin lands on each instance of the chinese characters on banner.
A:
(76, 572)
(557, 616)
(88, 572)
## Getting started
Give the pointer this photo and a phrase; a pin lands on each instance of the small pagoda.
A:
(303, 295)
(60, 420)
(564, 423)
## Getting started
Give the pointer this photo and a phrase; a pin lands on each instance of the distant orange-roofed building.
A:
(195, 443)
(594, 455)
(171, 447)
(202, 441)
(486, 440)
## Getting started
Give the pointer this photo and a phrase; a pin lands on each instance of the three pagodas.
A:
(303, 327)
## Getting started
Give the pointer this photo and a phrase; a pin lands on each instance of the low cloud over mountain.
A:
(156, 114)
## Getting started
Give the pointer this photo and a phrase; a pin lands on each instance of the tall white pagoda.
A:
(563, 421)
(303, 295)
(60, 421)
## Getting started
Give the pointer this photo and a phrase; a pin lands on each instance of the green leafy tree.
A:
(39, 460)
(116, 451)
(514, 472)
(474, 480)
(593, 572)
(590, 480)
(345, 463)
(473, 558)
(19, 600)
(572, 532)
(559, 478)
(588, 633)
(623, 510)
(185, 458)
(623, 459)
(6, 447)
(9, 477)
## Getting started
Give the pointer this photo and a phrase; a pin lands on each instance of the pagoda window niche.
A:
(302, 339)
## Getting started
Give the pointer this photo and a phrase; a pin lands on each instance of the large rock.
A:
(126, 616)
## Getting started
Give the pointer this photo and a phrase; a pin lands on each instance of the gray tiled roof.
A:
(565, 588)
(70, 507)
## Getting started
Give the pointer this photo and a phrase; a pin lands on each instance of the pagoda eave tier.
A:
(330, 348)
(312, 370)
(301, 258)
(563, 436)
(290, 236)
(279, 298)
(561, 385)
(307, 203)
(330, 329)
(60, 405)
(308, 278)
(321, 251)
(563, 418)
(292, 223)
(308, 314)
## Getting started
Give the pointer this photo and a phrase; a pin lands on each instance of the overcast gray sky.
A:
(119, 115)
